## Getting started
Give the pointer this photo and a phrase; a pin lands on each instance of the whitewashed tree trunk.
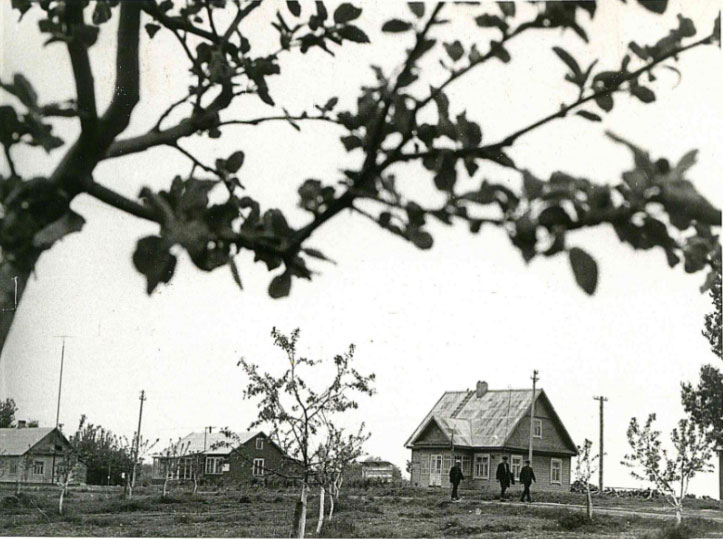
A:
(301, 512)
(165, 487)
(320, 523)
(60, 501)
(331, 507)
(195, 484)
(678, 514)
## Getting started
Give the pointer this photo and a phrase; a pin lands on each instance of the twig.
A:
(120, 202)
(11, 163)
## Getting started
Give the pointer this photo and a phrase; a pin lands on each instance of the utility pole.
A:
(535, 378)
(60, 389)
(138, 440)
(602, 452)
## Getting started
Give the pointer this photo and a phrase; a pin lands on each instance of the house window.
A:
(259, 443)
(425, 463)
(447, 463)
(516, 466)
(38, 467)
(466, 464)
(187, 468)
(537, 432)
(258, 468)
(556, 471)
(436, 464)
(213, 465)
(482, 466)
(13, 466)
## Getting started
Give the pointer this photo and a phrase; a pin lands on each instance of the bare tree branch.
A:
(82, 73)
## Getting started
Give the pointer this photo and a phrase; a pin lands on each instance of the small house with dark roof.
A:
(35, 455)
(247, 457)
(374, 469)
(477, 428)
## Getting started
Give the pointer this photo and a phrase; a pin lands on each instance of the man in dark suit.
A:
(527, 476)
(455, 477)
(504, 476)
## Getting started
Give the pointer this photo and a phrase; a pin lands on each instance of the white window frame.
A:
(215, 467)
(258, 468)
(484, 457)
(38, 464)
(537, 428)
(466, 464)
(516, 466)
(259, 443)
(552, 470)
(426, 466)
(13, 468)
(433, 468)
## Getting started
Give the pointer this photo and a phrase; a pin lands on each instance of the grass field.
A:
(376, 512)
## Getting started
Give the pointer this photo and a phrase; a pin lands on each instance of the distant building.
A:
(254, 456)
(377, 470)
(35, 455)
(477, 428)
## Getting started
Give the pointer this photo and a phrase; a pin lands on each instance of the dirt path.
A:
(709, 514)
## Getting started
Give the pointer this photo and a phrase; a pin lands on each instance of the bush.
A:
(572, 521)
(10, 501)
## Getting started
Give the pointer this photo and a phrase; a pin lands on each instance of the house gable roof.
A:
(487, 421)
(16, 442)
(216, 443)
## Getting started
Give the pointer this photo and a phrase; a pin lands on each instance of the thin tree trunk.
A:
(320, 523)
(165, 487)
(62, 496)
(331, 507)
(300, 513)
(678, 515)
(195, 484)
(589, 503)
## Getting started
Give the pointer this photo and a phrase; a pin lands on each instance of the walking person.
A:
(504, 476)
(455, 477)
(527, 477)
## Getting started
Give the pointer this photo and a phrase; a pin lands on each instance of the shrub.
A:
(10, 501)
(572, 521)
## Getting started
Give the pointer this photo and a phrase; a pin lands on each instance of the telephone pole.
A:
(60, 389)
(600, 469)
(535, 378)
(138, 439)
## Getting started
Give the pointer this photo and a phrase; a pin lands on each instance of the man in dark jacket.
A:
(504, 476)
(455, 476)
(527, 476)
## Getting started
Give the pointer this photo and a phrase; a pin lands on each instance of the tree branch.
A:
(126, 95)
(122, 203)
(82, 73)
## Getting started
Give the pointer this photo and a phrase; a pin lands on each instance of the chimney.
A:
(22, 423)
(481, 389)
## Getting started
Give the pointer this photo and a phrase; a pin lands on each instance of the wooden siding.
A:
(432, 435)
(552, 435)
(541, 464)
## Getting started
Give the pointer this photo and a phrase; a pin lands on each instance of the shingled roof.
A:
(16, 442)
(485, 421)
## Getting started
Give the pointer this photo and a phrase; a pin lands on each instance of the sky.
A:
(423, 321)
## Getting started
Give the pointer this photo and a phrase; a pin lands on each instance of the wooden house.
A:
(373, 469)
(477, 428)
(252, 457)
(35, 455)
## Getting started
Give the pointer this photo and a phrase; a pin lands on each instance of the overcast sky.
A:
(425, 322)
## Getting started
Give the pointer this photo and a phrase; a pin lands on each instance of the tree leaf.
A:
(353, 33)
(396, 25)
(101, 13)
(315, 253)
(455, 50)
(491, 21)
(152, 29)
(235, 161)
(346, 12)
(24, 91)
(585, 269)
(294, 8)
(589, 116)
(280, 286)
(646, 95)
(605, 102)
(234, 273)
(70, 222)
(417, 8)
(153, 259)
(507, 8)
(569, 61)
(421, 238)
(656, 6)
